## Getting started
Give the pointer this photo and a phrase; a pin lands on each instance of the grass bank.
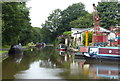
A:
(5, 46)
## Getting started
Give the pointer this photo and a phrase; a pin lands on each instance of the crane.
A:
(98, 37)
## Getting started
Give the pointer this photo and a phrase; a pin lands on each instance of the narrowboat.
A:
(108, 52)
(100, 52)
(39, 45)
(15, 49)
(104, 52)
(62, 47)
(80, 53)
(84, 51)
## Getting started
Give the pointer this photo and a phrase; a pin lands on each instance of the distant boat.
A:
(40, 45)
(15, 49)
(62, 47)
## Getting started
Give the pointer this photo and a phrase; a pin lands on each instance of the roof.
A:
(80, 30)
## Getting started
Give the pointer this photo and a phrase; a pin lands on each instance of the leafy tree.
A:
(52, 25)
(53, 22)
(46, 35)
(108, 12)
(67, 33)
(16, 19)
(58, 22)
(70, 14)
(26, 36)
(36, 34)
(82, 22)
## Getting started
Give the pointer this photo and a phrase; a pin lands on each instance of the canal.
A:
(47, 63)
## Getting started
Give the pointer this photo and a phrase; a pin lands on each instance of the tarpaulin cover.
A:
(83, 49)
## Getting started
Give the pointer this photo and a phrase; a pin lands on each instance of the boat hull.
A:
(111, 52)
(102, 53)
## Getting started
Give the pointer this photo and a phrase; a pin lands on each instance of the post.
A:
(86, 40)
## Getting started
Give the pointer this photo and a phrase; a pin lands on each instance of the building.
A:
(116, 40)
(77, 34)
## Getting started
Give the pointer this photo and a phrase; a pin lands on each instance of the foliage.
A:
(108, 12)
(31, 44)
(46, 35)
(50, 29)
(89, 37)
(72, 13)
(6, 46)
(82, 22)
(68, 33)
(36, 34)
(16, 26)
(53, 22)
(4, 51)
(59, 21)
(26, 36)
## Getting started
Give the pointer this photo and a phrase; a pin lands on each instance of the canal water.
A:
(49, 63)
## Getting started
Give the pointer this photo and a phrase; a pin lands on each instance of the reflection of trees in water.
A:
(46, 64)
(52, 59)
(47, 56)
(12, 65)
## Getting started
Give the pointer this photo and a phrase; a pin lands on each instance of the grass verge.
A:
(6, 46)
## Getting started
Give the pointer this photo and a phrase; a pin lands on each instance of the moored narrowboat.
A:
(104, 52)
(108, 52)
(15, 49)
(62, 47)
(100, 52)
(40, 45)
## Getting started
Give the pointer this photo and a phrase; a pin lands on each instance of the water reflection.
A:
(32, 62)
(12, 65)
(47, 63)
(97, 69)
(17, 57)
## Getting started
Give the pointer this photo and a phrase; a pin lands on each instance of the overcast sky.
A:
(40, 9)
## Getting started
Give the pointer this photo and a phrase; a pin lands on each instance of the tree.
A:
(16, 19)
(36, 34)
(68, 33)
(70, 14)
(62, 21)
(52, 25)
(82, 22)
(108, 12)
(53, 22)
(46, 35)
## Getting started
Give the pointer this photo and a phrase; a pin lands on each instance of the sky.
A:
(40, 9)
